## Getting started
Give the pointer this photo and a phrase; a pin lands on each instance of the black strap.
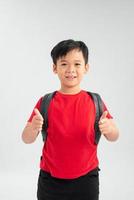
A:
(99, 106)
(44, 112)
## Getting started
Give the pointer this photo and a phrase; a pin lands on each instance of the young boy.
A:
(69, 163)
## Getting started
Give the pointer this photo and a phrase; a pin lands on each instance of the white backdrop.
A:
(28, 31)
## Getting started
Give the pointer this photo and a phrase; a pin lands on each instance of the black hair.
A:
(63, 47)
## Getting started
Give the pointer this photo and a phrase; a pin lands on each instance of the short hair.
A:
(65, 46)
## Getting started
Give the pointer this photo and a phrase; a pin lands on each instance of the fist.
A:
(105, 124)
(37, 121)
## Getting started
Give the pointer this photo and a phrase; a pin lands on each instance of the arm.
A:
(32, 128)
(108, 127)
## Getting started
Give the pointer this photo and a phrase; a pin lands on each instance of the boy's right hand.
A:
(37, 121)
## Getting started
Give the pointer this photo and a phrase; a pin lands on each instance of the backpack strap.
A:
(44, 112)
(99, 106)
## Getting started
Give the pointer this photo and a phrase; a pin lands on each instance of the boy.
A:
(69, 163)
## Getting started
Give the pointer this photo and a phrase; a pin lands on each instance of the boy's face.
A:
(71, 68)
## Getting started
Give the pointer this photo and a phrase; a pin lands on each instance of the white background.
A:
(28, 31)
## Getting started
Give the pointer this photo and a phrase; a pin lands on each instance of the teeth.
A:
(70, 76)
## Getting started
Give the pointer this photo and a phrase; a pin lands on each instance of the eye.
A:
(63, 64)
(77, 64)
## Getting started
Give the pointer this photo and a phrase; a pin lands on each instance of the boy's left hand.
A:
(105, 124)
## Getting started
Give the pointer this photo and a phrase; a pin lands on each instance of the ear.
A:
(86, 68)
(54, 68)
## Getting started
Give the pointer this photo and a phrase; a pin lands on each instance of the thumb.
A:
(104, 114)
(38, 113)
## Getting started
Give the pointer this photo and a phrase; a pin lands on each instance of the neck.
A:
(73, 90)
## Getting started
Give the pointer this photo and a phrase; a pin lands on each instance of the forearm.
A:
(29, 134)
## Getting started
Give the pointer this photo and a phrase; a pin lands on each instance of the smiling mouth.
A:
(70, 77)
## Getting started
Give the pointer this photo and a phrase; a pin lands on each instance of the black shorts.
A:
(83, 188)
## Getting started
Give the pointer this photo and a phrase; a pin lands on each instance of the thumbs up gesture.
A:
(37, 121)
(105, 124)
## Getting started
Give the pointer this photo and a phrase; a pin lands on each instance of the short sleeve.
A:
(38, 104)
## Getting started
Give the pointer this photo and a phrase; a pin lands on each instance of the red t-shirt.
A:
(69, 151)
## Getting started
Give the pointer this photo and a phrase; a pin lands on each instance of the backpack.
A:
(98, 105)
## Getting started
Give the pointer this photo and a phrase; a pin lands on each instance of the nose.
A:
(70, 69)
